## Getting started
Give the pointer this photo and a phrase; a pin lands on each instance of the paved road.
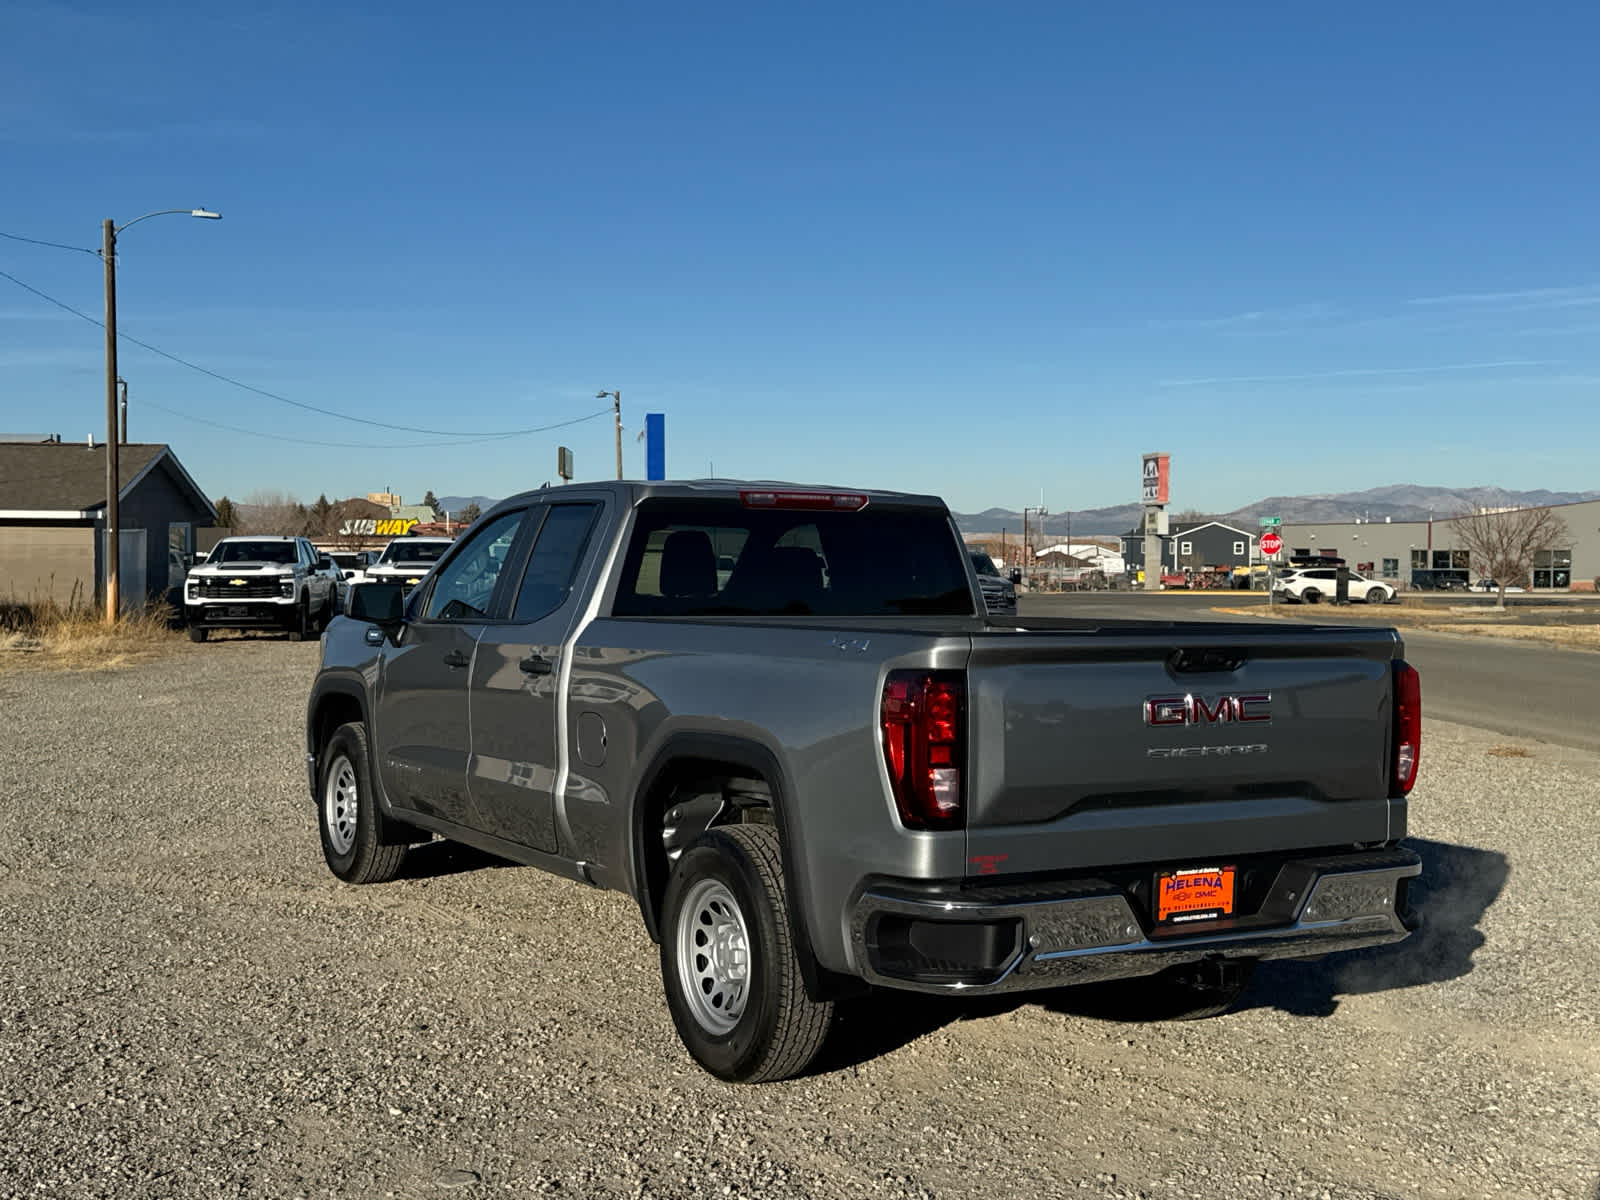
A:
(1507, 687)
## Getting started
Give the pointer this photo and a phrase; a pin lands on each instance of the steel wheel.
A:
(713, 956)
(341, 796)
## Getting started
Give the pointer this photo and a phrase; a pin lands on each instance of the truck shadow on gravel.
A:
(436, 859)
(1457, 886)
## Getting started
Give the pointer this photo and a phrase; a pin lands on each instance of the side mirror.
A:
(323, 562)
(381, 604)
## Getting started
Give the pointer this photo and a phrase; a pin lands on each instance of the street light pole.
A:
(616, 408)
(108, 253)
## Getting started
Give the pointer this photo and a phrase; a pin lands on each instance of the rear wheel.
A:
(1311, 596)
(357, 840)
(728, 961)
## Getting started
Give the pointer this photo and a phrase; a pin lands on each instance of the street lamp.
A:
(616, 407)
(108, 254)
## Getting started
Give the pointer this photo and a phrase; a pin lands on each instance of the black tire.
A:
(302, 620)
(197, 634)
(1196, 992)
(358, 842)
(1311, 596)
(778, 1029)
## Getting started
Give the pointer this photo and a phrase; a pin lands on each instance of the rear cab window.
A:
(689, 558)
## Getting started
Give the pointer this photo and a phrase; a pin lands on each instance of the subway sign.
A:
(371, 527)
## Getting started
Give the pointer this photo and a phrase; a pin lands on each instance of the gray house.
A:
(52, 521)
(1194, 545)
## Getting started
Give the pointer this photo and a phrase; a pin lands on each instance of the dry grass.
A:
(1581, 637)
(1508, 752)
(73, 637)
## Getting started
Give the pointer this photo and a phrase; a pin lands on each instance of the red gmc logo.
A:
(1197, 710)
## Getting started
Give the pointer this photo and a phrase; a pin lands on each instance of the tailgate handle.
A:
(1211, 658)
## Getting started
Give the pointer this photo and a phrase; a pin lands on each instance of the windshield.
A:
(263, 552)
(413, 552)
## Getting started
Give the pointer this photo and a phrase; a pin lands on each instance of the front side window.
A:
(465, 586)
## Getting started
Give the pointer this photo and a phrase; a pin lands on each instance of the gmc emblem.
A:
(1196, 710)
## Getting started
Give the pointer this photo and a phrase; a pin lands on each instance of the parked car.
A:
(261, 582)
(352, 566)
(1314, 584)
(831, 771)
(999, 593)
(1442, 579)
(406, 560)
(1489, 585)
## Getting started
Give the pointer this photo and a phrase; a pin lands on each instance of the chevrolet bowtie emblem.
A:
(237, 582)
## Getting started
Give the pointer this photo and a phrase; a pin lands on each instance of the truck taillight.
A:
(1407, 727)
(924, 746)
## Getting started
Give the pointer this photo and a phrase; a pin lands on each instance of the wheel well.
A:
(333, 710)
(687, 797)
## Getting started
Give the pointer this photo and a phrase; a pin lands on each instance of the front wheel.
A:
(728, 960)
(356, 839)
(301, 622)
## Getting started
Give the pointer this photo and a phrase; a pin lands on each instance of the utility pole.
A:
(113, 557)
(616, 408)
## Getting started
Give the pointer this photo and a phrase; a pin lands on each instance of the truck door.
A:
(516, 682)
(421, 733)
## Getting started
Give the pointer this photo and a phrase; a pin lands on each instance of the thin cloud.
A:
(1359, 373)
(1537, 295)
(1253, 319)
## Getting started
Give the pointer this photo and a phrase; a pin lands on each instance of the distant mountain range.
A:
(1397, 502)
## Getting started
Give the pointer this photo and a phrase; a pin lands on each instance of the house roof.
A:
(67, 479)
(1181, 527)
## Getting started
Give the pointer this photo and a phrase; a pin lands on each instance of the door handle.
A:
(537, 664)
(456, 658)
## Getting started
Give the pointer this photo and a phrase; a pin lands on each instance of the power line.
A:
(17, 237)
(478, 435)
(279, 437)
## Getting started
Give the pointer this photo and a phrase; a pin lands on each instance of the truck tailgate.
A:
(1094, 747)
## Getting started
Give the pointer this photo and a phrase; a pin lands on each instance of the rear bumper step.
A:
(977, 941)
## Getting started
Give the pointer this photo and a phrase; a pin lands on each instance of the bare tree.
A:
(269, 512)
(1504, 544)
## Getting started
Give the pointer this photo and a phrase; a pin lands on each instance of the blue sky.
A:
(981, 250)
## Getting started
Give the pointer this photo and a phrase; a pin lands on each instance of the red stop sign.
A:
(1271, 543)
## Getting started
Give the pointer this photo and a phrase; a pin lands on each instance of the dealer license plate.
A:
(238, 610)
(1194, 894)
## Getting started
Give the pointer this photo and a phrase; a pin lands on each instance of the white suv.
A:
(1313, 584)
(266, 582)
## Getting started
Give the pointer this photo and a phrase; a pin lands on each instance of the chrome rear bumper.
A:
(983, 940)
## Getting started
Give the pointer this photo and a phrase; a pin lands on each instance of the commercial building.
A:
(1396, 551)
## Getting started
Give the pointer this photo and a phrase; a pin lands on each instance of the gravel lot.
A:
(190, 1005)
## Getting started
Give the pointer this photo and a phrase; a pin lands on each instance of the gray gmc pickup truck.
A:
(780, 719)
